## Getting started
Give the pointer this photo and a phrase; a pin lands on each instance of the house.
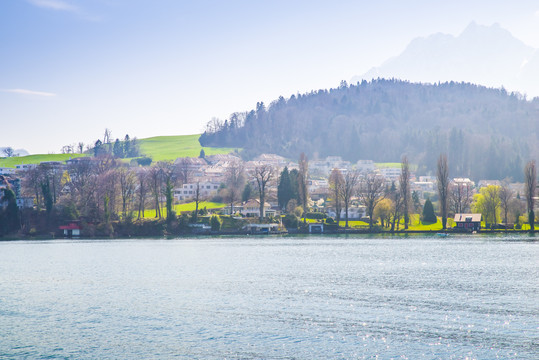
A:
(25, 167)
(71, 230)
(467, 222)
(6, 171)
(252, 208)
(188, 191)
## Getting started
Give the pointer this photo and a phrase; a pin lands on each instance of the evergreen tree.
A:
(428, 213)
(118, 149)
(284, 189)
(202, 154)
(247, 192)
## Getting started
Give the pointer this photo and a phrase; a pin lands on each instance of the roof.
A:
(463, 217)
(71, 226)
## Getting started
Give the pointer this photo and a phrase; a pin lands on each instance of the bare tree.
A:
(168, 175)
(303, 189)
(142, 176)
(398, 208)
(127, 180)
(530, 183)
(155, 176)
(263, 174)
(442, 175)
(460, 196)
(349, 188)
(197, 200)
(80, 146)
(235, 179)
(505, 194)
(106, 136)
(184, 170)
(371, 191)
(9, 152)
(404, 189)
(336, 183)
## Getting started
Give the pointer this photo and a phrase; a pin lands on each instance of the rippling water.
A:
(270, 297)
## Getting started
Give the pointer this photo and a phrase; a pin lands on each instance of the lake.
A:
(304, 297)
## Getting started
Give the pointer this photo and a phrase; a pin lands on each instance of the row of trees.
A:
(420, 120)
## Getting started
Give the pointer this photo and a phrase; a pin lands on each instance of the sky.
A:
(69, 69)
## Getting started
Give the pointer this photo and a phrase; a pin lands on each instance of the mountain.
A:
(486, 55)
(487, 133)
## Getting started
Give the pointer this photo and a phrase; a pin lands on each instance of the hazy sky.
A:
(69, 69)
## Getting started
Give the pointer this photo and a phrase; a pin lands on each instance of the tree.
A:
(155, 176)
(235, 178)
(98, 148)
(169, 181)
(442, 176)
(460, 196)
(303, 188)
(284, 189)
(336, 184)
(349, 188)
(505, 195)
(428, 215)
(80, 146)
(106, 136)
(487, 202)
(397, 196)
(383, 211)
(142, 177)
(197, 201)
(127, 180)
(9, 217)
(9, 152)
(371, 192)
(530, 184)
(247, 192)
(118, 149)
(263, 174)
(404, 188)
(202, 154)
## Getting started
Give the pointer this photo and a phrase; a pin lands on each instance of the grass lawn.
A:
(150, 213)
(354, 224)
(36, 159)
(162, 148)
(415, 224)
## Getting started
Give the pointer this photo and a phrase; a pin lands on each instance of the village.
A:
(269, 194)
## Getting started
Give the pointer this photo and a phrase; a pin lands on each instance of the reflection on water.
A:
(270, 297)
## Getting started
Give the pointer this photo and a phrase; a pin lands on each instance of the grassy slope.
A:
(36, 159)
(161, 148)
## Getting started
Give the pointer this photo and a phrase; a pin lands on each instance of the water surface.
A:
(271, 297)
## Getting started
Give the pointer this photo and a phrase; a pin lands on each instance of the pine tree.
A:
(428, 212)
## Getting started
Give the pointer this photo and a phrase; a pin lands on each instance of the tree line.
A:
(468, 122)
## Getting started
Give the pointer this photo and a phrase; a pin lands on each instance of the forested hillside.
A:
(486, 133)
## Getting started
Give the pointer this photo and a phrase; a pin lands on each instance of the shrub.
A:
(330, 221)
(215, 223)
(315, 215)
(428, 213)
(290, 221)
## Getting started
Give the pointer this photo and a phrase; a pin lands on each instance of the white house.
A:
(189, 191)
(252, 208)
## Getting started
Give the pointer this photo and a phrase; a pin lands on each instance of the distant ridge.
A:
(487, 133)
(486, 55)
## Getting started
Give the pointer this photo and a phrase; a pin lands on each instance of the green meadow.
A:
(163, 148)
(36, 159)
(159, 148)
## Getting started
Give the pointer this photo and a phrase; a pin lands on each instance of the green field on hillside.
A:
(161, 148)
(180, 208)
(36, 159)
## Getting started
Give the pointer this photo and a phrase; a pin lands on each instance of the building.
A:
(467, 222)
(252, 208)
(189, 191)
